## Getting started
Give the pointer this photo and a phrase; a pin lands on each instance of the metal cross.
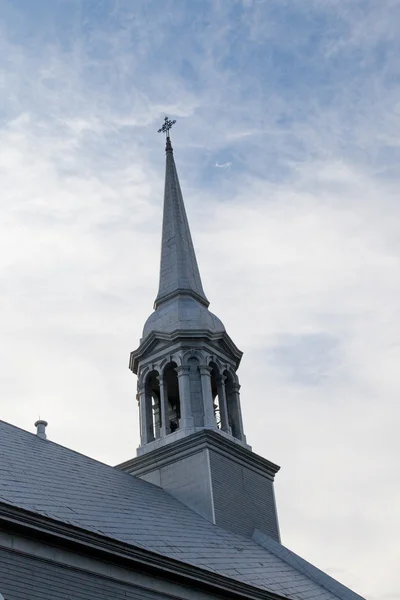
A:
(166, 126)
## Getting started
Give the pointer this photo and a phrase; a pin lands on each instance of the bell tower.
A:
(192, 440)
(186, 362)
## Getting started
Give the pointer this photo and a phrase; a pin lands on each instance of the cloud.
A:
(298, 244)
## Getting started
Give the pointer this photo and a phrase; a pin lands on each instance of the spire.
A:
(179, 272)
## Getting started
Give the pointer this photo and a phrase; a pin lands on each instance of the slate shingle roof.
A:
(50, 480)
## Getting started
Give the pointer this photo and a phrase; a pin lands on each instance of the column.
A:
(238, 411)
(186, 420)
(208, 405)
(223, 408)
(163, 407)
(146, 418)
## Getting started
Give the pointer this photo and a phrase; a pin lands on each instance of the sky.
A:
(287, 144)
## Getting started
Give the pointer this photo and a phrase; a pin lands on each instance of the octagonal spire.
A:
(179, 272)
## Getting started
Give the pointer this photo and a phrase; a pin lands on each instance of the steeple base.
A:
(217, 477)
(183, 433)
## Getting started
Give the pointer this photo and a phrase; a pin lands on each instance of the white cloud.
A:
(304, 228)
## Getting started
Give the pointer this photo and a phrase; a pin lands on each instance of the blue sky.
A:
(287, 145)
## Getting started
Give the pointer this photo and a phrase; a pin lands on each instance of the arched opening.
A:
(172, 400)
(152, 406)
(214, 375)
(232, 403)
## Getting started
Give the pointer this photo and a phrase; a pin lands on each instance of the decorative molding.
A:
(181, 336)
(193, 353)
(182, 370)
(204, 439)
(181, 292)
(163, 363)
(41, 552)
(205, 370)
(42, 528)
(142, 375)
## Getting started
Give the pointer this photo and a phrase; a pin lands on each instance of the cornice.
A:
(192, 444)
(181, 292)
(150, 341)
(46, 529)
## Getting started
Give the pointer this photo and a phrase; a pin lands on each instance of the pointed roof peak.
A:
(179, 272)
(168, 145)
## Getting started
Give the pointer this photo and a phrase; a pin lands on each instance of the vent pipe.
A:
(41, 428)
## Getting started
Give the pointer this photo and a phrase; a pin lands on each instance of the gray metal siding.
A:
(243, 499)
(27, 578)
(188, 480)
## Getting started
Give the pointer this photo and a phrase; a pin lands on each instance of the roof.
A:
(179, 271)
(50, 480)
(181, 303)
(182, 313)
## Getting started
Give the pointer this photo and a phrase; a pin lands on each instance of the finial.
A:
(166, 126)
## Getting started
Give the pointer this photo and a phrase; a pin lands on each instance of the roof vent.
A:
(41, 428)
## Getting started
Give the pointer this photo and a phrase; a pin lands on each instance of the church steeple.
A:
(192, 440)
(186, 362)
(179, 272)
